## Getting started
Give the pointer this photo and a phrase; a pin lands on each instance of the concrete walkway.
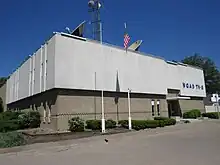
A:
(195, 143)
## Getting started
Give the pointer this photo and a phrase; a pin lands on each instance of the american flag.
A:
(126, 40)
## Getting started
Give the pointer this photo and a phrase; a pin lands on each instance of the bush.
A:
(76, 125)
(9, 125)
(1, 105)
(161, 123)
(11, 139)
(152, 123)
(211, 115)
(123, 123)
(110, 123)
(93, 124)
(97, 124)
(165, 121)
(11, 121)
(193, 114)
(138, 124)
(9, 115)
(30, 119)
(143, 124)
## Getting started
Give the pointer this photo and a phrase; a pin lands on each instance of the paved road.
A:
(196, 143)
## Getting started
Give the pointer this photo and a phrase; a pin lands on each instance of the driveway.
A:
(195, 143)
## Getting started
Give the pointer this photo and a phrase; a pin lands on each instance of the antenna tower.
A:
(94, 9)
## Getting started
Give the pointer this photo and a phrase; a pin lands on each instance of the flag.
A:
(126, 40)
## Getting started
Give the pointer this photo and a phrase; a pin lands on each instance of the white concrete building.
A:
(64, 77)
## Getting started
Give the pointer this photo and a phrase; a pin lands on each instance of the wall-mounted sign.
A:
(192, 86)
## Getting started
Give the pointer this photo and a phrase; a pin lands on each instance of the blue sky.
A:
(172, 29)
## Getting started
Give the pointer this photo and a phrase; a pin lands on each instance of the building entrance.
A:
(174, 108)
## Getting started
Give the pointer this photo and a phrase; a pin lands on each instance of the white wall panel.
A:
(24, 72)
(37, 67)
(27, 80)
(77, 61)
(50, 63)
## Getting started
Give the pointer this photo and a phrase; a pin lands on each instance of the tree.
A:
(211, 73)
(2, 81)
(1, 105)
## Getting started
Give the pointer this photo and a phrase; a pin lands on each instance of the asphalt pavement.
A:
(194, 144)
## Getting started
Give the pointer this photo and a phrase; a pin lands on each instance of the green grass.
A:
(11, 139)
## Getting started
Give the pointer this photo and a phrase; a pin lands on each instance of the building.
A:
(211, 103)
(3, 96)
(65, 76)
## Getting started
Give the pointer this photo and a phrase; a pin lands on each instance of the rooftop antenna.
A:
(94, 9)
(68, 30)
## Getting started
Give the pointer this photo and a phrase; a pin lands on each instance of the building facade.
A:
(65, 76)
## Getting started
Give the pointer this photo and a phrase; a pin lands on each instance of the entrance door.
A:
(173, 108)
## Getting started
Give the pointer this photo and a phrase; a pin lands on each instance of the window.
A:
(44, 118)
(158, 107)
(49, 115)
(152, 107)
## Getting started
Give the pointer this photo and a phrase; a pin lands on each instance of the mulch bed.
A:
(41, 136)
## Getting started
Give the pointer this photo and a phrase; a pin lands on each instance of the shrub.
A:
(1, 105)
(211, 115)
(193, 114)
(11, 139)
(9, 115)
(143, 124)
(97, 124)
(138, 124)
(93, 124)
(165, 120)
(76, 125)
(30, 119)
(161, 123)
(123, 123)
(153, 123)
(9, 125)
(110, 123)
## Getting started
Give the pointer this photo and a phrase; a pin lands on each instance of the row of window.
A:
(157, 111)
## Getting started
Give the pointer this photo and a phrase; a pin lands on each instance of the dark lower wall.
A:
(45, 101)
(65, 104)
(87, 105)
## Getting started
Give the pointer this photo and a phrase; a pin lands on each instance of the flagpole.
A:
(125, 25)
(129, 110)
(102, 92)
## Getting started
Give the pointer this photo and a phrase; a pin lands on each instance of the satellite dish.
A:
(135, 46)
(99, 5)
(78, 31)
(91, 3)
(215, 98)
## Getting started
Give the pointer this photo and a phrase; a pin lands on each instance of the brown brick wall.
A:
(187, 105)
(89, 107)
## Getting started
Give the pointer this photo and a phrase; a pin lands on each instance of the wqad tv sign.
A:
(193, 86)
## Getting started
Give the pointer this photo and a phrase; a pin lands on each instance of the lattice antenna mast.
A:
(94, 9)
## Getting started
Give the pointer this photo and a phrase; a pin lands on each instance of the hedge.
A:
(97, 124)
(11, 139)
(211, 115)
(193, 114)
(11, 121)
(9, 125)
(93, 124)
(165, 121)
